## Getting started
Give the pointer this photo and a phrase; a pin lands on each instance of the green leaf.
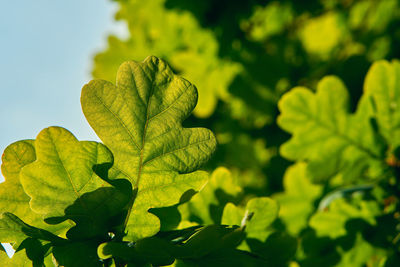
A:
(31, 252)
(256, 217)
(206, 207)
(247, 167)
(269, 20)
(191, 49)
(148, 250)
(37, 251)
(332, 222)
(12, 195)
(224, 257)
(296, 203)
(278, 249)
(326, 134)
(233, 215)
(265, 211)
(13, 198)
(345, 234)
(362, 253)
(19, 259)
(13, 229)
(139, 119)
(103, 212)
(162, 251)
(261, 238)
(73, 254)
(211, 74)
(63, 172)
(321, 35)
(372, 16)
(382, 84)
(209, 239)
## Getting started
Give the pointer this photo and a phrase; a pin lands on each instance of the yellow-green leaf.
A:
(382, 84)
(326, 134)
(13, 198)
(296, 203)
(63, 172)
(140, 120)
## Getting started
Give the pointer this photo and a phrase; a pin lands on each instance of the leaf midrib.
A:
(65, 170)
(144, 135)
(130, 206)
(69, 177)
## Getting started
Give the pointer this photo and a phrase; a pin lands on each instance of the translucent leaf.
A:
(332, 222)
(177, 37)
(320, 35)
(268, 20)
(13, 198)
(19, 259)
(326, 134)
(207, 206)
(257, 216)
(139, 119)
(32, 243)
(382, 84)
(13, 229)
(248, 168)
(372, 16)
(296, 203)
(63, 173)
(344, 233)
(202, 242)
(12, 195)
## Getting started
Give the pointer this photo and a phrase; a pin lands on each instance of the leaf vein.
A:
(119, 120)
(175, 150)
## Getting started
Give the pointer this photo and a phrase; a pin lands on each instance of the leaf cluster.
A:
(82, 203)
(312, 161)
(310, 147)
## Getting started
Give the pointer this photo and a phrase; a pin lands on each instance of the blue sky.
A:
(46, 51)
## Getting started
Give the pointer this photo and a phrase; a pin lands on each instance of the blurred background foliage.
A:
(243, 56)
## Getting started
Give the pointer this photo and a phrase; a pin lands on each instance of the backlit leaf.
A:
(13, 198)
(296, 203)
(326, 134)
(177, 37)
(257, 216)
(207, 206)
(63, 172)
(382, 84)
(139, 119)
